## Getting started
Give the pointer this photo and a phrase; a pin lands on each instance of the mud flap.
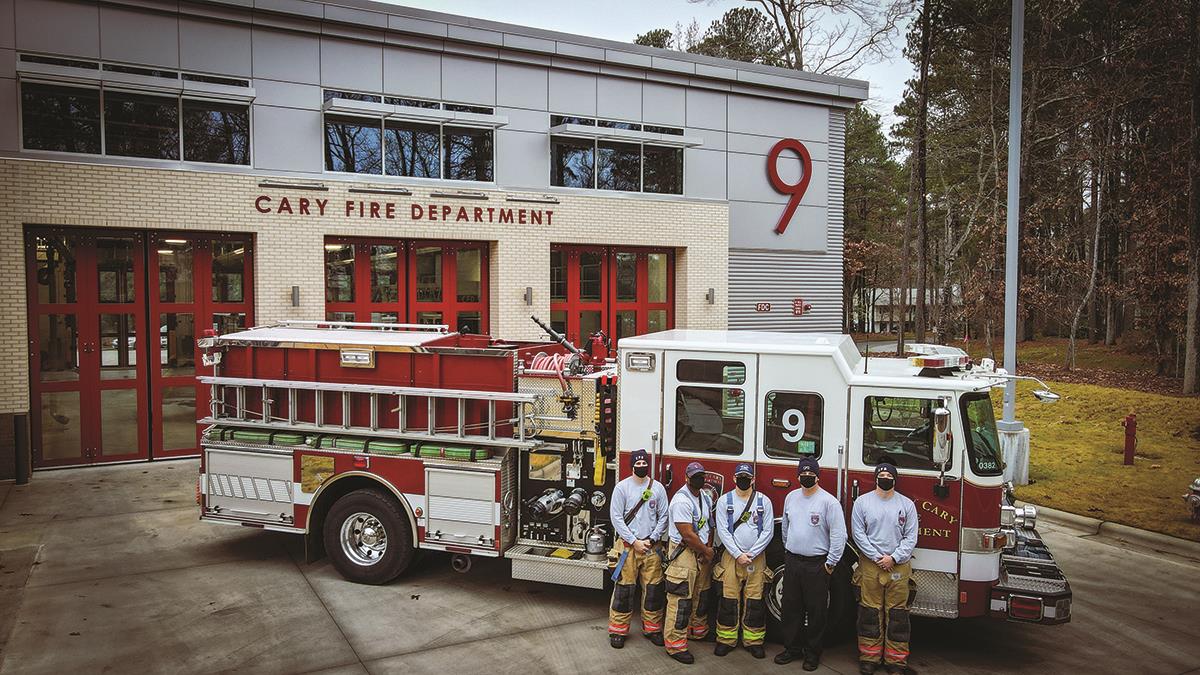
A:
(868, 621)
(623, 598)
(899, 629)
(655, 597)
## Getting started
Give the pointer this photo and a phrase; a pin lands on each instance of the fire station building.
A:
(173, 166)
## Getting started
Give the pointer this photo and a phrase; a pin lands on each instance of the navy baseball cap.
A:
(693, 468)
(743, 468)
(808, 464)
(639, 455)
(884, 466)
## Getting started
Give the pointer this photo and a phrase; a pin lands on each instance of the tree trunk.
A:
(922, 188)
(1191, 356)
(904, 258)
(1097, 204)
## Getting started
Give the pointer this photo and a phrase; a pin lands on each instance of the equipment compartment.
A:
(461, 508)
(248, 485)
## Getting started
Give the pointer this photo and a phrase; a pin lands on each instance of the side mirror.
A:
(941, 436)
(1046, 396)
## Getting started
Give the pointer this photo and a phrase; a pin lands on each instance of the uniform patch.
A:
(814, 518)
(903, 518)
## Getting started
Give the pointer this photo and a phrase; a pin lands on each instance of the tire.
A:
(367, 537)
(842, 601)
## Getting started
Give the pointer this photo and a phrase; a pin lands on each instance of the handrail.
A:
(419, 327)
(513, 397)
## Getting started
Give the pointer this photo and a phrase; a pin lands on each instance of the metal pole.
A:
(1011, 254)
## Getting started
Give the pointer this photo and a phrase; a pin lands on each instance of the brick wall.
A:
(289, 248)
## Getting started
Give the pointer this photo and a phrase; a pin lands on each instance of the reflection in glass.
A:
(63, 119)
(558, 320)
(339, 272)
(619, 166)
(59, 347)
(429, 274)
(175, 270)
(626, 323)
(339, 316)
(663, 172)
(177, 344)
(228, 270)
(118, 347)
(179, 417)
(627, 277)
(558, 276)
(468, 154)
(412, 150)
(229, 322)
(136, 125)
(114, 269)
(353, 145)
(656, 320)
(381, 317)
(60, 425)
(572, 162)
(468, 274)
(216, 132)
(656, 266)
(385, 274)
(55, 257)
(431, 318)
(469, 322)
(589, 323)
(591, 277)
(119, 421)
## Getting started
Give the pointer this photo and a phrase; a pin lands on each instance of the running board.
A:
(533, 563)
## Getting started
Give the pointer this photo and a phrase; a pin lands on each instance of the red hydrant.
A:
(1130, 425)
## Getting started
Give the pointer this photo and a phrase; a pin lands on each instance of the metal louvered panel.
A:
(937, 594)
(779, 277)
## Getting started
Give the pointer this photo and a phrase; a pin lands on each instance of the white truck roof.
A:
(330, 334)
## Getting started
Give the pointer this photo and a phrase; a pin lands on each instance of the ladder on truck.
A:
(230, 400)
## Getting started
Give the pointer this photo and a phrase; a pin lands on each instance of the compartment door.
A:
(246, 486)
(461, 508)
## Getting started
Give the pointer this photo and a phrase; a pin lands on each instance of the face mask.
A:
(885, 484)
(744, 482)
(641, 471)
(696, 482)
(808, 481)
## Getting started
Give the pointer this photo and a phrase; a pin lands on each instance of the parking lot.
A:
(108, 569)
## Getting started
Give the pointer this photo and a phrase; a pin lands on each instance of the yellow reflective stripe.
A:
(753, 634)
(731, 634)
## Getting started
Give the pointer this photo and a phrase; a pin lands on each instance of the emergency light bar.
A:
(941, 361)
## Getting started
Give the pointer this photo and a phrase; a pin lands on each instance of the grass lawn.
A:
(1076, 451)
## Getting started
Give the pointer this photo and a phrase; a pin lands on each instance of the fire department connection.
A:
(375, 440)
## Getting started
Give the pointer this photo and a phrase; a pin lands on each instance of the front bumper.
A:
(1031, 588)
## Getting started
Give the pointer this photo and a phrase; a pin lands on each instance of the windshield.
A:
(983, 443)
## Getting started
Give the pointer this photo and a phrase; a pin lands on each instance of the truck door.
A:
(895, 425)
(708, 414)
(802, 412)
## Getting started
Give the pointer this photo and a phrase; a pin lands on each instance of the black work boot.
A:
(617, 641)
(722, 649)
(654, 638)
(811, 660)
(900, 669)
(785, 657)
(683, 657)
(867, 667)
(757, 651)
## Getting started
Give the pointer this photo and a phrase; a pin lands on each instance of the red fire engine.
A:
(375, 440)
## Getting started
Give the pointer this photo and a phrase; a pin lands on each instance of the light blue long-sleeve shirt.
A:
(814, 525)
(752, 536)
(885, 526)
(650, 522)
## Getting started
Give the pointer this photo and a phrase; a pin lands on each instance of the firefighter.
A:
(884, 525)
(638, 511)
(814, 537)
(745, 524)
(689, 565)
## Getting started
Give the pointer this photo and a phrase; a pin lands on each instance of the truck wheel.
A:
(842, 603)
(367, 537)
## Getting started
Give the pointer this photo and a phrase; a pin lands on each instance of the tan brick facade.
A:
(289, 248)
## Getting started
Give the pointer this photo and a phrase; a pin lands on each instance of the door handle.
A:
(781, 482)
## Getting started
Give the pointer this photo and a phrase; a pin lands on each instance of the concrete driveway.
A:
(108, 570)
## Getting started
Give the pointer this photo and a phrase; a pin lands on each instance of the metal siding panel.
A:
(292, 57)
(705, 174)
(520, 86)
(347, 64)
(139, 37)
(619, 99)
(663, 104)
(522, 159)
(287, 139)
(58, 27)
(572, 93)
(8, 38)
(409, 72)
(214, 47)
(8, 113)
(468, 80)
(705, 109)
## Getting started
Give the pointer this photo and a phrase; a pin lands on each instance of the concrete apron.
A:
(1093, 526)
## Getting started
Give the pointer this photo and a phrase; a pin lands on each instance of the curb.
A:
(1094, 526)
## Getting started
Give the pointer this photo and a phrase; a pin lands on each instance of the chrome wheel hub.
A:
(364, 541)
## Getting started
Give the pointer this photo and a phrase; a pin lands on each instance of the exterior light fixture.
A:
(293, 186)
(544, 199)
(529, 295)
(381, 191)
(459, 194)
(711, 296)
(295, 296)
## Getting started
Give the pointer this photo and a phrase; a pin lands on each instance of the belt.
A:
(808, 558)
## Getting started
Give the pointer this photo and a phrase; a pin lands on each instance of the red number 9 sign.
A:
(796, 190)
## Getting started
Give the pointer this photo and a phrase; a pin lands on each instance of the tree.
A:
(1191, 361)
(659, 37)
(742, 34)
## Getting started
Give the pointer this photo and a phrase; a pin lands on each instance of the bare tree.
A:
(1191, 357)
(922, 171)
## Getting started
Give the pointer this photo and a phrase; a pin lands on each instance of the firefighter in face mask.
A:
(689, 565)
(638, 511)
(745, 524)
(884, 525)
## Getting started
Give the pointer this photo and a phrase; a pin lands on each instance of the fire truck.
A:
(376, 441)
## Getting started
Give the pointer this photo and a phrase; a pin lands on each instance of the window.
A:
(468, 153)
(136, 125)
(352, 145)
(792, 424)
(621, 291)
(609, 124)
(476, 109)
(899, 430)
(216, 132)
(710, 419)
(412, 103)
(331, 94)
(572, 162)
(663, 170)
(713, 372)
(983, 443)
(397, 281)
(620, 166)
(412, 149)
(65, 119)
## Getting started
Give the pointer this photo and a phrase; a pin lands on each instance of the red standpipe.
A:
(1130, 424)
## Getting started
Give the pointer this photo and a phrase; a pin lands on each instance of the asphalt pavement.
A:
(108, 569)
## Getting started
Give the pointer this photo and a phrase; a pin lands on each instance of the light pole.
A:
(1014, 437)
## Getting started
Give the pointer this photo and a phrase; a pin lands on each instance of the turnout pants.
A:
(648, 569)
(687, 599)
(883, 625)
(805, 603)
(741, 589)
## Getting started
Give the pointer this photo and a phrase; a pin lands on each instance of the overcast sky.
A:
(624, 19)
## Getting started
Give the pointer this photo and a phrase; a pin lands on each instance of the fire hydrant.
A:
(1192, 499)
(1130, 424)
